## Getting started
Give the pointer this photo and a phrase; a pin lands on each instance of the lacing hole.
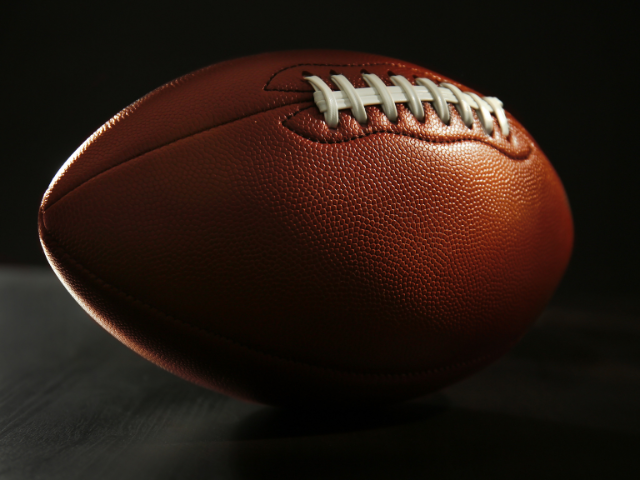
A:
(333, 72)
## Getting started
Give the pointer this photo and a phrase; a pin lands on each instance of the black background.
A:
(566, 73)
(75, 403)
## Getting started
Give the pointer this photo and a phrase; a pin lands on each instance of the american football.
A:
(311, 227)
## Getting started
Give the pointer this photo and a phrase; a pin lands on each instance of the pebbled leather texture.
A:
(221, 230)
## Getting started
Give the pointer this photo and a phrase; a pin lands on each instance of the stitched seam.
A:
(160, 147)
(192, 74)
(132, 299)
(524, 156)
(330, 65)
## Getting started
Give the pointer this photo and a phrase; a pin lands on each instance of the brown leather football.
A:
(311, 227)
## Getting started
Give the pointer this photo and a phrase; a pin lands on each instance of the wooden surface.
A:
(76, 404)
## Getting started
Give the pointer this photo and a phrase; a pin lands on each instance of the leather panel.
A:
(270, 239)
(214, 362)
(217, 229)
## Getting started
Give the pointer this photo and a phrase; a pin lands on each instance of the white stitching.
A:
(331, 102)
(357, 106)
(329, 97)
(439, 103)
(483, 113)
(498, 111)
(388, 103)
(415, 105)
(463, 107)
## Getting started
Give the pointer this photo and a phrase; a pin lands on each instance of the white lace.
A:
(331, 102)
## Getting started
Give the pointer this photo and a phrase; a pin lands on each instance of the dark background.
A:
(76, 404)
(564, 72)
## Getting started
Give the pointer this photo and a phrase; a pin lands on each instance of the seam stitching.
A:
(160, 147)
(370, 64)
(132, 299)
(265, 88)
(524, 156)
(174, 83)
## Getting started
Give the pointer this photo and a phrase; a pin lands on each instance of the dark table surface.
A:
(76, 404)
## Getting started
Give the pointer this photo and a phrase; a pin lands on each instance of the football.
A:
(311, 227)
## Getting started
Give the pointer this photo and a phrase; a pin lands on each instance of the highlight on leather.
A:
(348, 97)
(220, 229)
